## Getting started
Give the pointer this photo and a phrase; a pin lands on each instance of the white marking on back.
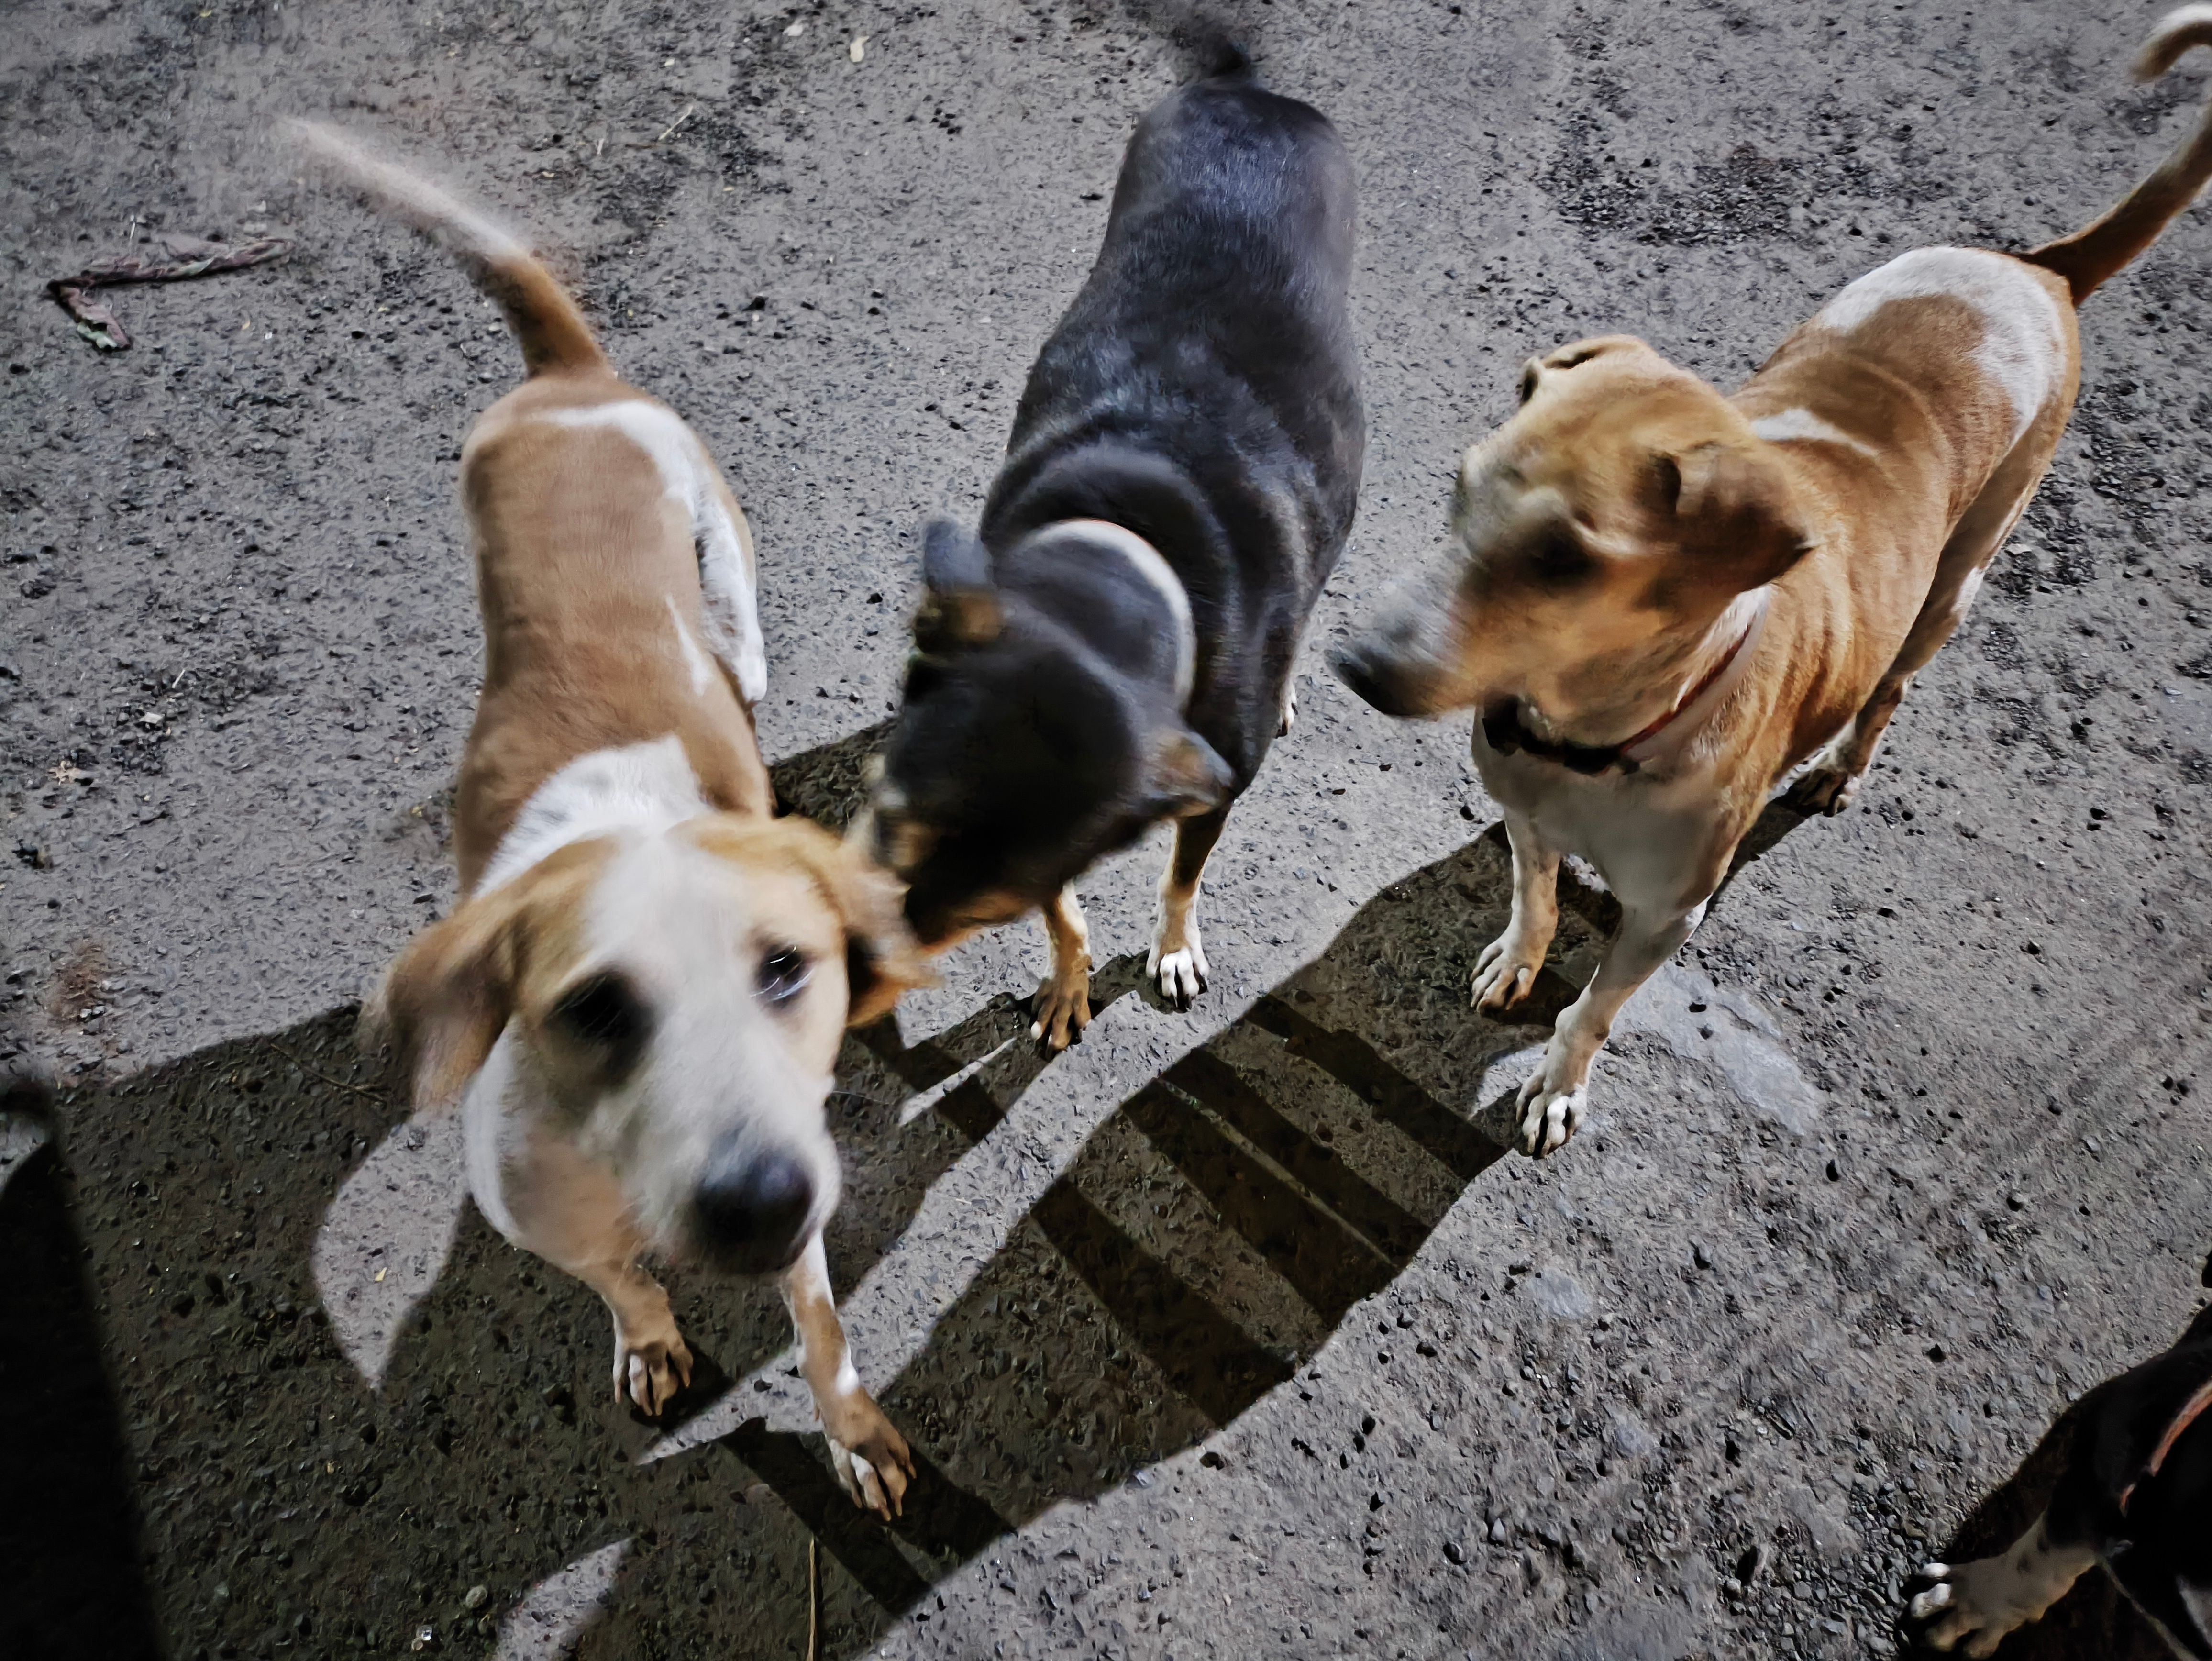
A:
(1152, 566)
(729, 607)
(646, 787)
(2023, 336)
(1802, 425)
(703, 672)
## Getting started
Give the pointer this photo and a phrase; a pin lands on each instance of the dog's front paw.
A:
(1970, 1604)
(1289, 711)
(1553, 1102)
(1506, 970)
(872, 1459)
(1063, 1005)
(650, 1370)
(1179, 969)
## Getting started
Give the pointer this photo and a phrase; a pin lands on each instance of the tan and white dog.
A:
(638, 1003)
(1670, 598)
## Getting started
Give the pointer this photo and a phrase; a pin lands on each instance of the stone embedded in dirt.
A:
(1699, 1255)
(1498, 1535)
(476, 1597)
(1455, 1552)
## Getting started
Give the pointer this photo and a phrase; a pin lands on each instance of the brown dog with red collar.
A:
(1670, 598)
(638, 1003)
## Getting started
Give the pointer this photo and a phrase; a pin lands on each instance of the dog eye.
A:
(784, 972)
(1559, 558)
(604, 1012)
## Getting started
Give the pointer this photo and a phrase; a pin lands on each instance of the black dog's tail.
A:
(1209, 46)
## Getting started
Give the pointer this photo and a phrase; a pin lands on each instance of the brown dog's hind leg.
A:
(1510, 965)
(1063, 1001)
(1831, 783)
(1177, 962)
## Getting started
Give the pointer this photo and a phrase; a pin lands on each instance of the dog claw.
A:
(1063, 1009)
(1505, 973)
(1549, 1116)
(1825, 790)
(650, 1375)
(872, 1460)
(1181, 975)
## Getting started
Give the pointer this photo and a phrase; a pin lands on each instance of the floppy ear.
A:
(882, 961)
(1186, 777)
(445, 1000)
(442, 1005)
(959, 606)
(1735, 504)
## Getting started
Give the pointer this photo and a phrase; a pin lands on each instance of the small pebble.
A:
(476, 1597)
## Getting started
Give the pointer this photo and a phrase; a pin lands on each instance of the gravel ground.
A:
(1228, 1333)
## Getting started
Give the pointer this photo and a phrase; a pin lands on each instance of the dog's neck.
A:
(1709, 677)
(1167, 600)
(641, 787)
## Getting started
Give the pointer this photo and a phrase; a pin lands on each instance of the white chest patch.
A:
(2023, 336)
(730, 607)
(646, 787)
(1802, 426)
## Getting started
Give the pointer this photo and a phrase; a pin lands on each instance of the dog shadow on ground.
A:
(1210, 1235)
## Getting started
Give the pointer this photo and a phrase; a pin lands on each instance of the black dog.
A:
(2134, 1494)
(1114, 648)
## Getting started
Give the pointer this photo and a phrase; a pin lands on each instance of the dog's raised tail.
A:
(554, 337)
(2091, 256)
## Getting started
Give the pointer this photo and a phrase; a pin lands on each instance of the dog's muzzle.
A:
(1381, 677)
(751, 1208)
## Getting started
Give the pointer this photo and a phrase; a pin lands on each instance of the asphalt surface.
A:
(1229, 1333)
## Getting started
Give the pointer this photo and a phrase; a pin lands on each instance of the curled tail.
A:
(2093, 255)
(1207, 46)
(551, 330)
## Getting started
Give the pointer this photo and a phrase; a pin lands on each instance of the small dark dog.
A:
(1114, 647)
(2134, 1494)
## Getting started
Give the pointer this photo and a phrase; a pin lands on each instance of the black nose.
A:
(752, 1208)
(1376, 679)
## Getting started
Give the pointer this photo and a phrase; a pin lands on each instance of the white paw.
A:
(1289, 709)
(1063, 1006)
(649, 1373)
(1506, 970)
(1551, 1112)
(1180, 975)
(871, 1458)
(1977, 1603)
